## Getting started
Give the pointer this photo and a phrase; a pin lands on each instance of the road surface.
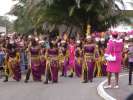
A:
(66, 89)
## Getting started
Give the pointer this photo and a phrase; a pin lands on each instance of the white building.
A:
(2, 29)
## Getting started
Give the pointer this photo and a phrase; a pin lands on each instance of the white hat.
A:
(78, 41)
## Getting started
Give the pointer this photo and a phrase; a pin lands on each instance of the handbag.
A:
(110, 57)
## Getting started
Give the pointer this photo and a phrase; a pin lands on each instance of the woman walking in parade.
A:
(97, 67)
(34, 61)
(71, 48)
(63, 59)
(52, 63)
(114, 49)
(22, 50)
(89, 55)
(79, 59)
(42, 56)
(103, 64)
(12, 60)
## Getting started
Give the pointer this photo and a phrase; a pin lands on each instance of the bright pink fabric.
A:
(115, 47)
(71, 55)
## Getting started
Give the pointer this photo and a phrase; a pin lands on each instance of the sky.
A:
(6, 5)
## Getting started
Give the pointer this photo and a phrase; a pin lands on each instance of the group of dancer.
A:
(51, 56)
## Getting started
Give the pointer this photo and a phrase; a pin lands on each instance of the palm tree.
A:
(100, 14)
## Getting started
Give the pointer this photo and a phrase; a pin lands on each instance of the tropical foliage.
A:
(4, 21)
(100, 14)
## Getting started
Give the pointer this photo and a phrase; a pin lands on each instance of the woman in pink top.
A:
(71, 48)
(114, 47)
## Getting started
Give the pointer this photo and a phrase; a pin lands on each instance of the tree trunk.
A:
(71, 29)
(84, 28)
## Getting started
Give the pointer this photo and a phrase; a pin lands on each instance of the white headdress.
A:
(88, 37)
(126, 38)
(102, 39)
(97, 39)
(63, 41)
(29, 36)
(78, 41)
(131, 36)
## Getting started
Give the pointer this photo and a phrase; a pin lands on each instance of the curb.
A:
(102, 93)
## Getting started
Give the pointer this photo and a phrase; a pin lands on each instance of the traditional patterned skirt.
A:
(35, 67)
(43, 64)
(13, 68)
(98, 67)
(78, 67)
(54, 69)
(23, 61)
(88, 67)
(63, 63)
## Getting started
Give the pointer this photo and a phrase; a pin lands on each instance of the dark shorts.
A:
(130, 64)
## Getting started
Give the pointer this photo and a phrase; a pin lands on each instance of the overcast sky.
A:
(6, 5)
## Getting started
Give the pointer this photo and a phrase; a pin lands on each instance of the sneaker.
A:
(107, 87)
(116, 87)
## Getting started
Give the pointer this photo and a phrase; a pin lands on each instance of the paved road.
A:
(66, 89)
(124, 90)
